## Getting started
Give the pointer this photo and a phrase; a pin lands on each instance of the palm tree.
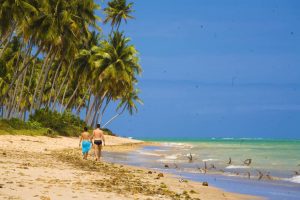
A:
(117, 11)
(117, 66)
(128, 102)
(12, 14)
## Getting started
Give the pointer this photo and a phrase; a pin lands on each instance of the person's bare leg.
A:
(100, 149)
(96, 152)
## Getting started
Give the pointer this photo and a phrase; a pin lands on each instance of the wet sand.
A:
(52, 168)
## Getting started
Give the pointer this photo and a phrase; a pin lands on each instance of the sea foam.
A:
(295, 179)
(177, 144)
(148, 153)
(172, 157)
(209, 159)
(237, 167)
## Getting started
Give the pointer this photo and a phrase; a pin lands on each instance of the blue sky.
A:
(216, 68)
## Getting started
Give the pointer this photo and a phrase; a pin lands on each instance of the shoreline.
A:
(42, 168)
(174, 155)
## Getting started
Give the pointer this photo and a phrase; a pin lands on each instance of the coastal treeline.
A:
(54, 57)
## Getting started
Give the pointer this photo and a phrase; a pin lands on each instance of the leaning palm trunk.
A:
(16, 76)
(87, 117)
(88, 105)
(114, 117)
(97, 109)
(103, 111)
(29, 85)
(61, 86)
(11, 99)
(24, 77)
(92, 107)
(63, 99)
(8, 39)
(80, 105)
(97, 119)
(11, 105)
(72, 96)
(39, 102)
(21, 92)
(39, 80)
(53, 83)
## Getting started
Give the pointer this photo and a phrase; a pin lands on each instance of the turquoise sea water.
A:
(277, 160)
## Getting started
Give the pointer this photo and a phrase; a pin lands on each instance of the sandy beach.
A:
(52, 168)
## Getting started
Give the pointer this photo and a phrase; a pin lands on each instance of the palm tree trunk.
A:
(39, 102)
(61, 86)
(97, 108)
(104, 109)
(79, 106)
(13, 100)
(87, 116)
(25, 73)
(21, 93)
(114, 117)
(99, 101)
(118, 27)
(88, 106)
(8, 41)
(39, 80)
(29, 84)
(53, 83)
(63, 99)
(16, 76)
(10, 97)
(72, 96)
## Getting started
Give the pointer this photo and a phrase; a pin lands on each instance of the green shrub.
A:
(16, 123)
(34, 125)
(108, 132)
(65, 124)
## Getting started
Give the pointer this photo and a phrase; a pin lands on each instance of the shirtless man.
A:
(85, 143)
(98, 137)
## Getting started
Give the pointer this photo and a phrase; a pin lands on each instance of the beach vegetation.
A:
(65, 124)
(57, 65)
(18, 127)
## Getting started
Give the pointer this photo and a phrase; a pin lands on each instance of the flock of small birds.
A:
(260, 175)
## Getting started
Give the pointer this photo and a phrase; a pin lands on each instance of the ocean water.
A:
(272, 173)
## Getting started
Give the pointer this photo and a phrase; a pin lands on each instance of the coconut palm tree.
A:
(116, 69)
(128, 102)
(116, 11)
